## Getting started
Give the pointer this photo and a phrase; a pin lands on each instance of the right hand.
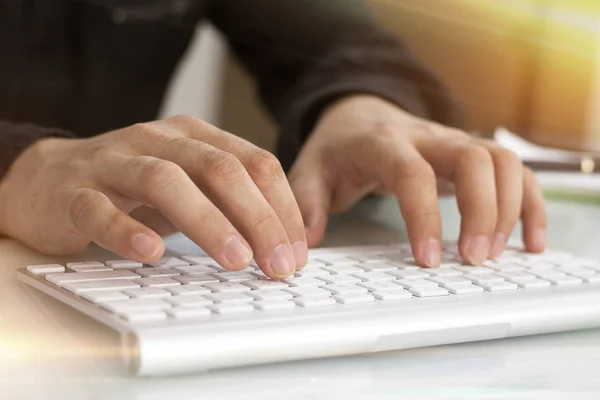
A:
(225, 194)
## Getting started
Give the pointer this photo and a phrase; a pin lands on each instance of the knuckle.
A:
(83, 203)
(189, 121)
(473, 154)
(222, 165)
(507, 157)
(157, 175)
(263, 164)
(144, 131)
(415, 169)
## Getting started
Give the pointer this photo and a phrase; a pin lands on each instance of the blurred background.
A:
(532, 66)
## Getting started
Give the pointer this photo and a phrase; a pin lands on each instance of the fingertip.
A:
(148, 246)
(430, 253)
(535, 240)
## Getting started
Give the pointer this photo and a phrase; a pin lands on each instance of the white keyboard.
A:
(187, 303)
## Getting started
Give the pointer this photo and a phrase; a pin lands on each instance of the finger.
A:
(313, 194)
(92, 214)
(508, 170)
(265, 171)
(400, 167)
(533, 214)
(165, 186)
(222, 177)
(471, 168)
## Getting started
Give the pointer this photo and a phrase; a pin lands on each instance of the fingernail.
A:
(431, 253)
(539, 237)
(300, 254)
(477, 249)
(498, 244)
(282, 261)
(236, 252)
(145, 245)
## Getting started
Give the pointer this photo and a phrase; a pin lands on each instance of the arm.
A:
(15, 138)
(307, 54)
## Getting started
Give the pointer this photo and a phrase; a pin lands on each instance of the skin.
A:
(126, 188)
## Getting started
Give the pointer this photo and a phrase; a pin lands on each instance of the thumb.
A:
(313, 195)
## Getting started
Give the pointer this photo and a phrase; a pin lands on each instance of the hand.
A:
(228, 196)
(364, 144)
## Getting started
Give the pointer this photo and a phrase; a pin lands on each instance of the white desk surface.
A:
(48, 351)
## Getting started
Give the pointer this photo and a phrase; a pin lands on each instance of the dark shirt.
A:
(83, 67)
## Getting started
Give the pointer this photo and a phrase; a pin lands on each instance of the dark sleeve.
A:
(15, 138)
(306, 54)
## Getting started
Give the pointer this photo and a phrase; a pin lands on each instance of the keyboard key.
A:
(60, 279)
(381, 286)
(531, 283)
(274, 305)
(227, 287)
(429, 291)
(190, 301)
(537, 266)
(593, 279)
(548, 274)
(197, 279)
(168, 262)
(94, 286)
(444, 272)
(387, 295)
(258, 284)
(230, 297)
(202, 260)
(90, 268)
(154, 272)
(104, 296)
(409, 274)
(416, 283)
(311, 271)
(156, 282)
(498, 286)
(128, 306)
(343, 269)
(232, 308)
(144, 316)
(474, 270)
(304, 282)
(147, 292)
(195, 269)
(373, 276)
(270, 295)
(345, 288)
(464, 289)
(578, 272)
(45, 269)
(308, 292)
(124, 264)
(189, 312)
(234, 276)
(565, 281)
(378, 267)
(521, 275)
(308, 302)
(74, 266)
(187, 290)
(583, 262)
(484, 278)
(505, 267)
(450, 280)
(353, 298)
(335, 260)
(337, 279)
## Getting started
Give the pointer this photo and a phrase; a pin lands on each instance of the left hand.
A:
(363, 144)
